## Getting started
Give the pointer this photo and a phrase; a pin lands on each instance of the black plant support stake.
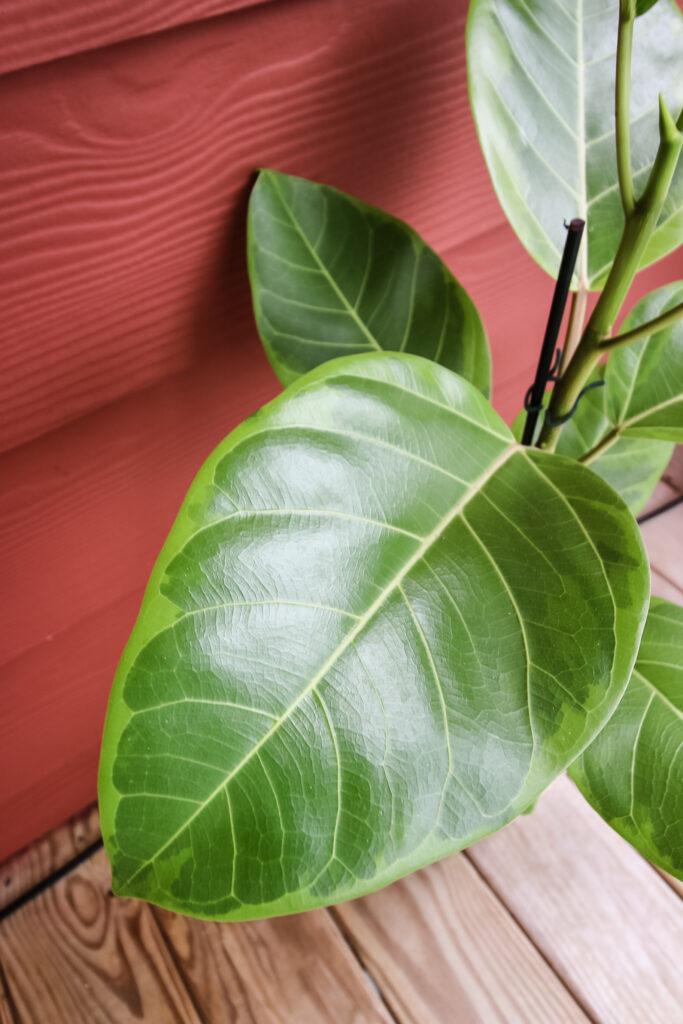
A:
(548, 361)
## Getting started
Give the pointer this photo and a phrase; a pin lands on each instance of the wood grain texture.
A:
(6, 1014)
(442, 947)
(74, 954)
(83, 517)
(40, 30)
(42, 858)
(272, 972)
(606, 922)
(125, 175)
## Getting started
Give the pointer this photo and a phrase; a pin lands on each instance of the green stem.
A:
(638, 229)
(608, 440)
(643, 330)
(627, 17)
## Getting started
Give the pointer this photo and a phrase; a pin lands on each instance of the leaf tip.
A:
(669, 130)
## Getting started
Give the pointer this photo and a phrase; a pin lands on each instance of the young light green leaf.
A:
(541, 77)
(644, 379)
(644, 5)
(625, 430)
(632, 773)
(331, 276)
(364, 646)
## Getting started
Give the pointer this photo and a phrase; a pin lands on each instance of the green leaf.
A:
(627, 427)
(644, 379)
(632, 773)
(331, 276)
(541, 77)
(644, 5)
(631, 465)
(378, 630)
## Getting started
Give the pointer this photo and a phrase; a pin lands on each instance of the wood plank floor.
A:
(553, 920)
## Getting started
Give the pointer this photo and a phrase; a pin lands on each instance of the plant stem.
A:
(638, 228)
(627, 17)
(651, 327)
(608, 440)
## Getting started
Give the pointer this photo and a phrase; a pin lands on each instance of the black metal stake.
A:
(534, 398)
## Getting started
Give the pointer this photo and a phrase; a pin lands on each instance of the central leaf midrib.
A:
(349, 639)
(349, 308)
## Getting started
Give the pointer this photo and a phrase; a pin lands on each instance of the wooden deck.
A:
(554, 919)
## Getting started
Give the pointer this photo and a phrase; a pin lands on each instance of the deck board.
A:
(74, 954)
(442, 947)
(278, 971)
(601, 915)
(31, 866)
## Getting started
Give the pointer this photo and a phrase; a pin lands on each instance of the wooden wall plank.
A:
(272, 972)
(604, 919)
(122, 256)
(83, 517)
(41, 30)
(125, 175)
(42, 858)
(442, 948)
(75, 955)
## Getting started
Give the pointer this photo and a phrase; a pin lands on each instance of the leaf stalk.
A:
(659, 323)
(627, 17)
(638, 228)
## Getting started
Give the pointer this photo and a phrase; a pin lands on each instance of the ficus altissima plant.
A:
(381, 626)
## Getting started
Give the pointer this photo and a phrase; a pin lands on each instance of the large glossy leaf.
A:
(331, 276)
(378, 629)
(541, 76)
(632, 773)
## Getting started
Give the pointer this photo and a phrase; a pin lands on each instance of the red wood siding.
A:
(35, 31)
(128, 343)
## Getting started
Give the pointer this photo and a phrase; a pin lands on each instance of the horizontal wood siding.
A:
(129, 348)
(36, 31)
